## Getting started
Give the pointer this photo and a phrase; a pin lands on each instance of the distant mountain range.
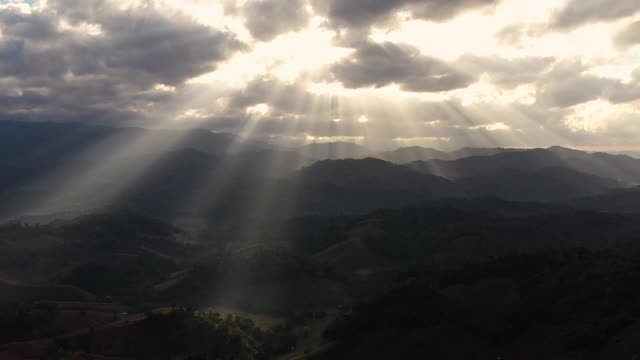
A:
(416, 153)
(80, 168)
(617, 167)
(543, 184)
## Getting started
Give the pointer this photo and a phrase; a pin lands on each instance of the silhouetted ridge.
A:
(416, 153)
(617, 167)
(371, 173)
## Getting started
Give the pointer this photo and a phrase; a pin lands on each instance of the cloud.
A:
(440, 10)
(622, 92)
(354, 18)
(506, 73)
(283, 97)
(136, 62)
(629, 36)
(568, 84)
(166, 45)
(580, 12)
(378, 65)
(35, 26)
(92, 56)
(266, 19)
(514, 34)
(363, 13)
(301, 114)
(295, 113)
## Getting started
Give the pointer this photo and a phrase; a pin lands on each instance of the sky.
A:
(382, 73)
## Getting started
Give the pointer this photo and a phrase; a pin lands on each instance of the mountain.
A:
(194, 183)
(159, 181)
(469, 151)
(356, 186)
(267, 163)
(541, 279)
(615, 201)
(544, 184)
(371, 173)
(454, 234)
(65, 249)
(334, 150)
(416, 153)
(617, 167)
(633, 154)
(505, 308)
(411, 154)
(52, 144)
(71, 169)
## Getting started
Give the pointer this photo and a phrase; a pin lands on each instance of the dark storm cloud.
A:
(166, 45)
(378, 65)
(266, 19)
(580, 12)
(629, 36)
(354, 18)
(445, 9)
(623, 92)
(567, 84)
(131, 50)
(34, 27)
(362, 13)
(27, 100)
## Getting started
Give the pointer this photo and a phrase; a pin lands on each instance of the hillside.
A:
(544, 184)
(333, 187)
(615, 167)
(370, 174)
